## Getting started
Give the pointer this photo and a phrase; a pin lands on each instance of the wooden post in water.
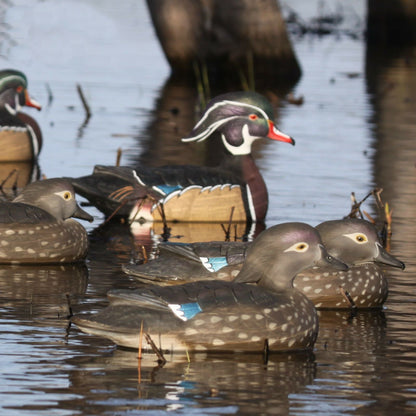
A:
(240, 41)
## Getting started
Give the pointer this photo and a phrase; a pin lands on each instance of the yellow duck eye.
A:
(358, 238)
(298, 247)
(65, 195)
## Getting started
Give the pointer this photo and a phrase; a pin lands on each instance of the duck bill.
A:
(385, 257)
(30, 102)
(82, 215)
(328, 260)
(275, 134)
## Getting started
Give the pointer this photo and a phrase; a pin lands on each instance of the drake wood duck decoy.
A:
(20, 135)
(259, 309)
(353, 241)
(233, 191)
(36, 227)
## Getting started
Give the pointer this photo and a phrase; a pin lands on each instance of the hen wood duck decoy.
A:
(20, 135)
(36, 226)
(259, 308)
(364, 284)
(235, 190)
(354, 241)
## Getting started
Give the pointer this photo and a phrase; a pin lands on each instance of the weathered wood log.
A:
(240, 41)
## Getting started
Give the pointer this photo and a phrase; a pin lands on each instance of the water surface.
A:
(355, 131)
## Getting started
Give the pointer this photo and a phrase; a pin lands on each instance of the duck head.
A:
(13, 91)
(56, 196)
(240, 118)
(281, 252)
(355, 241)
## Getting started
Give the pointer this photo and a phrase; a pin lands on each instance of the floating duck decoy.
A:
(259, 309)
(36, 227)
(364, 284)
(353, 241)
(233, 191)
(20, 135)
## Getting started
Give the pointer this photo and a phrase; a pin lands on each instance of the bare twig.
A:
(119, 152)
(155, 349)
(68, 301)
(84, 102)
(347, 297)
(227, 230)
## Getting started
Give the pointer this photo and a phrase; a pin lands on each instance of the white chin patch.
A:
(245, 147)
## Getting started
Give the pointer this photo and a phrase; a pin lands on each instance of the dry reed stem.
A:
(155, 349)
(139, 355)
(84, 102)
(118, 158)
(347, 297)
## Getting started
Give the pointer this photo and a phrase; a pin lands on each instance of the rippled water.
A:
(355, 131)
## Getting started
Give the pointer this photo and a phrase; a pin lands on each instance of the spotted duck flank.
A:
(364, 284)
(187, 193)
(259, 309)
(354, 241)
(36, 227)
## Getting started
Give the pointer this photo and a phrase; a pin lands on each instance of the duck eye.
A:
(253, 117)
(359, 238)
(302, 247)
(19, 89)
(67, 195)
(298, 247)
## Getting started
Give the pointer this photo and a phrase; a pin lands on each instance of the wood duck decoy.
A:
(235, 190)
(259, 309)
(20, 135)
(364, 284)
(36, 227)
(353, 241)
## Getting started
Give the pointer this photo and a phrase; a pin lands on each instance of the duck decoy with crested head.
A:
(259, 309)
(235, 190)
(353, 241)
(20, 135)
(36, 227)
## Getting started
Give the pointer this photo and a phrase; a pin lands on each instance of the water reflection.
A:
(43, 291)
(237, 383)
(365, 364)
(347, 356)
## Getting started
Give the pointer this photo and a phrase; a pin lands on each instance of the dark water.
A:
(355, 130)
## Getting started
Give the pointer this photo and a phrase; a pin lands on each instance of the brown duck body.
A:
(38, 237)
(20, 138)
(354, 241)
(259, 310)
(237, 194)
(37, 226)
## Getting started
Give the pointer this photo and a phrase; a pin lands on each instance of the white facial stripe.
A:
(378, 246)
(234, 103)
(206, 133)
(353, 237)
(298, 247)
(10, 109)
(63, 193)
(245, 147)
